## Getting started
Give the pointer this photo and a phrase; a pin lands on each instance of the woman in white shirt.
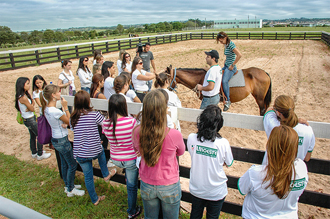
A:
(140, 78)
(126, 64)
(121, 86)
(25, 104)
(108, 72)
(38, 84)
(58, 120)
(273, 190)
(85, 75)
(120, 58)
(66, 80)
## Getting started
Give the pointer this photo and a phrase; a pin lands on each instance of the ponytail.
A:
(46, 95)
(285, 105)
(161, 80)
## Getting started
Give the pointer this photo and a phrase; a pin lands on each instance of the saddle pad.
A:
(237, 80)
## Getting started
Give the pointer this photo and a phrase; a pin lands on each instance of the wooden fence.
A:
(319, 166)
(37, 56)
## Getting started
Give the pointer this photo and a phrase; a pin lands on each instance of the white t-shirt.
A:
(131, 94)
(213, 75)
(108, 87)
(35, 95)
(53, 116)
(129, 67)
(127, 98)
(23, 108)
(139, 85)
(305, 133)
(173, 99)
(85, 78)
(263, 203)
(119, 66)
(65, 80)
(207, 177)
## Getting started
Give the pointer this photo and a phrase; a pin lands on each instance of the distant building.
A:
(226, 24)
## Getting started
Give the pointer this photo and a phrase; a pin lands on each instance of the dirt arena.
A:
(300, 69)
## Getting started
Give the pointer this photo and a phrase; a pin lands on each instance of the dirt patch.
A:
(297, 68)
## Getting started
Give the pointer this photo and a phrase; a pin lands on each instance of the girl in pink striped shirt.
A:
(118, 129)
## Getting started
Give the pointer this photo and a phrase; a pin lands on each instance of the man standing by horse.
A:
(212, 80)
(148, 57)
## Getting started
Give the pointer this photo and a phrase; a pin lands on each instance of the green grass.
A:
(41, 189)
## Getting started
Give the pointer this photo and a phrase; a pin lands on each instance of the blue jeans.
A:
(167, 196)
(213, 208)
(68, 164)
(131, 175)
(32, 125)
(86, 89)
(149, 83)
(210, 101)
(227, 75)
(87, 167)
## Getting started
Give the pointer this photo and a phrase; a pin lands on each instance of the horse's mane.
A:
(196, 69)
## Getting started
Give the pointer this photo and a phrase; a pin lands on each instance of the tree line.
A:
(8, 38)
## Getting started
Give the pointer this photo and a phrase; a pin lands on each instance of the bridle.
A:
(173, 81)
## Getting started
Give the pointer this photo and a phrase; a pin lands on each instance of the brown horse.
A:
(257, 83)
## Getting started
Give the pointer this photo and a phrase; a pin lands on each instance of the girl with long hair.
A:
(66, 80)
(87, 143)
(140, 78)
(121, 86)
(25, 104)
(96, 53)
(118, 129)
(159, 170)
(58, 120)
(130, 93)
(97, 87)
(85, 75)
(38, 84)
(126, 64)
(212, 190)
(282, 113)
(273, 190)
(119, 61)
(233, 55)
(163, 81)
(108, 72)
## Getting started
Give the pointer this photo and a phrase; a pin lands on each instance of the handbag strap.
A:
(65, 76)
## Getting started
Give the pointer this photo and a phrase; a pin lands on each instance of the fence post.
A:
(290, 36)
(139, 40)
(176, 38)
(276, 36)
(213, 35)
(262, 35)
(163, 39)
(118, 44)
(181, 37)
(130, 43)
(236, 35)
(107, 46)
(37, 56)
(156, 40)
(170, 38)
(148, 40)
(249, 35)
(12, 62)
(92, 48)
(304, 35)
(191, 36)
(58, 53)
(202, 34)
(77, 51)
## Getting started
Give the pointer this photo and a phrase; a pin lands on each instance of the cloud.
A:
(22, 15)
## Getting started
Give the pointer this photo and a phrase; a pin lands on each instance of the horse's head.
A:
(169, 71)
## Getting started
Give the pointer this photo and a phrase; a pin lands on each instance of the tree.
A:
(152, 28)
(168, 27)
(69, 34)
(92, 34)
(120, 28)
(130, 30)
(49, 36)
(146, 27)
(59, 36)
(177, 25)
(35, 36)
(24, 37)
(160, 27)
(190, 24)
(7, 35)
(77, 33)
(85, 35)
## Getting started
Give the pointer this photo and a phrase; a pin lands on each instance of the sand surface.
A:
(300, 69)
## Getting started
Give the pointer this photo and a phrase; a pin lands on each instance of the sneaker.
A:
(227, 105)
(75, 192)
(110, 164)
(138, 212)
(75, 186)
(43, 156)
(34, 155)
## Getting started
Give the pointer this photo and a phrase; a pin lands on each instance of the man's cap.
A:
(213, 54)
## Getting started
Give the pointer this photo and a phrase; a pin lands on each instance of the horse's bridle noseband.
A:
(173, 81)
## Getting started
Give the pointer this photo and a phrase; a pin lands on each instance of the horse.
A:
(257, 82)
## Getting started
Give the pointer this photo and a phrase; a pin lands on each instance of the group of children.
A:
(148, 146)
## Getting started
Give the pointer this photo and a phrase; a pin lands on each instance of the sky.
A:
(28, 15)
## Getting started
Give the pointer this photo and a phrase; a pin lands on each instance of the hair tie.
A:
(62, 61)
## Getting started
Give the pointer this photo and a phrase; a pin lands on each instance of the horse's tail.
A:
(268, 97)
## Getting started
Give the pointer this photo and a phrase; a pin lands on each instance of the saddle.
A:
(236, 81)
